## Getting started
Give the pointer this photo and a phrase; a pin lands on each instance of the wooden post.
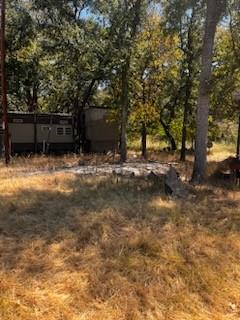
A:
(4, 84)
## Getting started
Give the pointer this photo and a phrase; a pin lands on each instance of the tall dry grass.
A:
(76, 248)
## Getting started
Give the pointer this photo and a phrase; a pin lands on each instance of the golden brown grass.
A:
(76, 248)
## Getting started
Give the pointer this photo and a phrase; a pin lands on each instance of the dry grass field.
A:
(78, 248)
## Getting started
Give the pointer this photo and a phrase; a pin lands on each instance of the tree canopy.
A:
(141, 58)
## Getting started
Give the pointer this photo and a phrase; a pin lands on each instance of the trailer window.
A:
(68, 131)
(17, 120)
(60, 131)
(46, 129)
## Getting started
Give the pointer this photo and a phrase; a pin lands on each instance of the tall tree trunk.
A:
(214, 11)
(171, 107)
(29, 99)
(189, 85)
(144, 140)
(144, 126)
(32, 98)
(135, 12)
(35, 98)
(124, 110)
(78, 110)
(169, 135)
(187, 108)
(87, 93)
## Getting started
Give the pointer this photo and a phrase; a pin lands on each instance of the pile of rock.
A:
(163, 175)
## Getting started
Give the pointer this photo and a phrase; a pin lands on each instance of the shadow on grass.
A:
(51, 216)
(91, 240)
(123, 235)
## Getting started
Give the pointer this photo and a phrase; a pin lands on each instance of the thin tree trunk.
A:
(32, 98)
(78, 110)
(87, 93)
(169, 135)
(188, 87)
(171, 107)
(144, 127)
(135, 11)
(144, 140)
(124, 111)
(187, 108)
(214, 11)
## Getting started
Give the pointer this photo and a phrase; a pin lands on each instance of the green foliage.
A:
(64, 55)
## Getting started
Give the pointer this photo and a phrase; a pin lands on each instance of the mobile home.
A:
(59, 133)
